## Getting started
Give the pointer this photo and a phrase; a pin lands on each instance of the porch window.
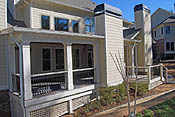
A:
(59, 59)
(45, 20)
(76, 58)
(61, 24)
(75, 26)
(90, 58)
(46, 59)
(90, 25)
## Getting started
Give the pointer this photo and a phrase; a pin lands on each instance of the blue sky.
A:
(127, 6)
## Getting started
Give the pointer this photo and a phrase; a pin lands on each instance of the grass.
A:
(165, 109)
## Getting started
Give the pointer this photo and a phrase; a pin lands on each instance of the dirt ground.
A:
(122, 112)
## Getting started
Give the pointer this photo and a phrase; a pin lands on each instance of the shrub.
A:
(139, 115)
(148, 113)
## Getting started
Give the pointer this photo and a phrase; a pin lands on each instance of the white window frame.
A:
(78, 25)
(41, 21)
(92, 57)
(90, 25)
(60, 18)
(42, 59)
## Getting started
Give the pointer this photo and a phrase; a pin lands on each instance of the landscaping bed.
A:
(165, 109)
(114, 96)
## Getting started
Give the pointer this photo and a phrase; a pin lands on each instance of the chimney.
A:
(109, 22)
(143, 22)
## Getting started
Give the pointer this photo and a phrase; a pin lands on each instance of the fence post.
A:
(149, 76)
(161, 72)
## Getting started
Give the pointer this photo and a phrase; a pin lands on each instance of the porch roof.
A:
(41, 31)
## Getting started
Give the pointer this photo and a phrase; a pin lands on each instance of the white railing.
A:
(16, 84)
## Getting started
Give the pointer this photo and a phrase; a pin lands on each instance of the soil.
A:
(123, 112)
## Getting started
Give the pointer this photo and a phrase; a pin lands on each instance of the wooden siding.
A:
(3, 14)
(114, 43)
(3, 64)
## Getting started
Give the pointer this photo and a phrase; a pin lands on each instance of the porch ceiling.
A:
(48, 32)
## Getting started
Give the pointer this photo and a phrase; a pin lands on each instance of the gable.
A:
(159, 16)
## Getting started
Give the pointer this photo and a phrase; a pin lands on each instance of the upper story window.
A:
(90, 25)
(75, 28)
(45, 20)
(61, 24)
(172, 46)
(162, 30)
(167, 29)
(155, 33)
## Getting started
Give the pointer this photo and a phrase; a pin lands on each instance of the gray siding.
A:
(3, 64)
(3, 14)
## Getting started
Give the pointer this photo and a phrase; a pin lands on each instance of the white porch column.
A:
(68, 65)
(26, 72)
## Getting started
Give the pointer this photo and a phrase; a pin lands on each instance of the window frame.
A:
(90, 25)
(169, 46)
(162, 30)
(62, 19)
(169, 31)
(41, 21)
(172, 47)
(42, 59)
(155, 33)
(76, 48)
(92, 53)
(78, 25)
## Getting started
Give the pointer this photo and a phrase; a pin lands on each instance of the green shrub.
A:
(148, 113)
(139, 115)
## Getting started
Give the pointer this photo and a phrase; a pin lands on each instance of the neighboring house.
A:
(163, 33)
(56, 53)
(137, 38)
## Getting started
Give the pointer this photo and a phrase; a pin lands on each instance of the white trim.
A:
(50, 73)
(60, 96)
(86, 69)
(42, 59)
(41, 21)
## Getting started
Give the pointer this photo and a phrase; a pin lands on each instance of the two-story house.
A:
(163, 33)
(54, 54)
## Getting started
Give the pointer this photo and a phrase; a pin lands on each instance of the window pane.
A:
(87, 21)
(90, 58)
(61, 24)
(76, 58)
(45, 20)
(90, 24)
(161, 30)
(46, 53)
(75, 26)
(46, 59)
(59, 58)
(172, 46)
(167, 29)
(167, 46)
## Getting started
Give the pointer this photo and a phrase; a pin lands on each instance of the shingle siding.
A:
(3, 15)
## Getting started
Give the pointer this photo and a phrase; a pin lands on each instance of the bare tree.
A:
(123, 70)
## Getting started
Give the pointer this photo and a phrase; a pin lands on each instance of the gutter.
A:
(20, 72)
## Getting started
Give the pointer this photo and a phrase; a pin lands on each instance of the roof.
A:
(13, 22)
(131, 33)
(86, 4)
(42, 31)
(160, 9)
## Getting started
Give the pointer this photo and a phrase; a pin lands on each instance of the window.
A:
(155, 34)
(46, 59)
(167, 29)
(90, 25)
(59, 59)
(162, 30)
(75, 26)
(61, 24)
(90, 58)
(167, 46)
(76, 58)
(172, 46)
(45, 20)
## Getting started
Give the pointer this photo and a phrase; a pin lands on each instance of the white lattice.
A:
(80, 101)
(51, 111)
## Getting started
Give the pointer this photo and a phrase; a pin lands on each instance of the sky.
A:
(127, 6)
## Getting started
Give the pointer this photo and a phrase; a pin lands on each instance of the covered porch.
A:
(49, 69)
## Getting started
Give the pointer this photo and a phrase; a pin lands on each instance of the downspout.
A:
(20, 72)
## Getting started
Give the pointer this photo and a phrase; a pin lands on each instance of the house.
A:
(56, 53)
(163, 34)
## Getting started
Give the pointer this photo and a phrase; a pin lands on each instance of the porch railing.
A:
(16, 84)
(83, 76)
(48, 82)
